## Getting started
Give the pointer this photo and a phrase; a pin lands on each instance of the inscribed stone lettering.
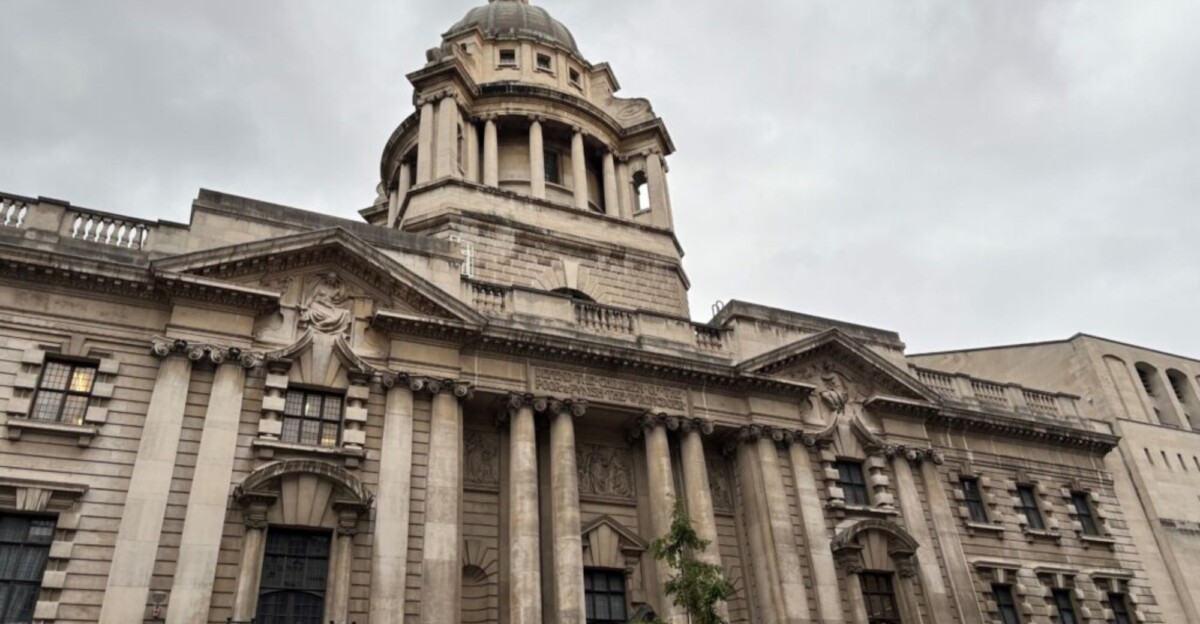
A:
(601, 389)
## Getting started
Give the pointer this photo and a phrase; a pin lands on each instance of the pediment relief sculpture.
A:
(605, 471)
(325, 305)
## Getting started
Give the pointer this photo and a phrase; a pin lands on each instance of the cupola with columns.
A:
(520, 150)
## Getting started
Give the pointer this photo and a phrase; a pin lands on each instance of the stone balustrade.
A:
(603, 319)
(959, 388)
(52, 221)
(106, 229)
(487, 298)
(13, 209)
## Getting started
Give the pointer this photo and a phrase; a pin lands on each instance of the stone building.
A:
(480, 403)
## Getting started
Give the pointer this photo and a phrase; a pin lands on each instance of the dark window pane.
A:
(294, 575)
(24, 548)
(1065, 606)
(973, 497)
(1120, 608)
(880, 598)
(1083, 511)
(853, 483)
(1029, 507)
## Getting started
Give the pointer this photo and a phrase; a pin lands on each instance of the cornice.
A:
(1024, 429)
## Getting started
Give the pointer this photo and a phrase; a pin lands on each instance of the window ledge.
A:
(998, 529)
(1102, 540)
(267, 448)
(1043, 534)
(84, 433)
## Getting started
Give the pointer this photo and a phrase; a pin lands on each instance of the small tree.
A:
(696, 586)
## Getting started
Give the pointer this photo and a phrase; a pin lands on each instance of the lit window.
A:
(508, 58)
(64, 392)
(604, 596)
(24, 547)
(974, 499)
(544, 62)
(1083, 511)
(854, 486)
(553, 172)
(312, 418)
(1119, 604)
(1064, 606)
(294, 573)
(1029, 507)
(880, 597)
(1003, 595)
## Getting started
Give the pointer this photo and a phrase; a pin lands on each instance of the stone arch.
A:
(878, 546)
(261, 480)
(304, 493)
(479, 591)
(869, 533)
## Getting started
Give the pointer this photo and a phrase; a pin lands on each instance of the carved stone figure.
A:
(605, 471)
(834, 393)
(324, 305)
(719, 484)
(481, 461)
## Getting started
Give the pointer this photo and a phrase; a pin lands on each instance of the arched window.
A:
(574, 294)
(641, 191)
(1183, 390)
(1159, 395)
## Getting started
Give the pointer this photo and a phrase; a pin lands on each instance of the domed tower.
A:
(519, 149)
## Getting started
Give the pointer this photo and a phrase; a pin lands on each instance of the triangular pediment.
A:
(833, 361)
(288, 265)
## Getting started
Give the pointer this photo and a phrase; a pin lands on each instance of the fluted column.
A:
(441, 578)
(389, 560)
(204, 521)
(537, 160)
(524, 544)
(656, 182)
(816, 535)
(446, 162)
(425, 141)
(612, 200)
(699, 494)
(254, 541)
(579, 170)
(564, 486)
(787, 557)
(491, 152)
(662, 502)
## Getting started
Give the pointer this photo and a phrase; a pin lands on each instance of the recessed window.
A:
(24, 548)
(1064, 606)
(1119, 604)
(604, 596)
(852, 482)
(973, 497)
(576, 79)
(544, 62)
(294, 572)
(1029, 507)
(641, 191)
(64, 392)
(1003, 595)
(552, 168)
(312, 418)
(879, 594)
(1144, 374)
(508, 58)
(1083, 511)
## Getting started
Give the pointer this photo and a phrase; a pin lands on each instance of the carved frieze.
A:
(605, 471)
(720, 483)
(599, 389)
(481, 458)
(325, 306)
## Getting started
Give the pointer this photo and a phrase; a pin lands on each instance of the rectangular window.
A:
(1083, 511)
(1120, 608)
(312, 418)
(294, 571)
(1003, 595)
(1029, 507)
(64, 392)
(1064, 606)
(973, 497)
(575, 77)
(508, 58)
(854, 486)
(544, 62)
(553, 172)
(880, 597)
(604, 596)
(24, 548)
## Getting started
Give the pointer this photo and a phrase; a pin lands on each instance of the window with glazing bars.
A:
(973, 497)
(312, 418)
(1064, 606)
(1003, 595)
(604, 596)
(1083, 511)
(24, 547)
(1120, 607)
(1029, 507)
(553, 172)
(294, 573)
(879, 594)
(852, 482)
(64, 392)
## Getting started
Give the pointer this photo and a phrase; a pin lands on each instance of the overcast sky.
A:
(966, 172)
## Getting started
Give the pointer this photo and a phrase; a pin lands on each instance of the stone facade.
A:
(480, 404)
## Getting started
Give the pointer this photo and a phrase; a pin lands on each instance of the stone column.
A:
(945, 522)
(816, 536)
(661, 485)
(525, 572)
(537, 160)
(612, 200)
(579, 170)
(403, 182)
(141, 525)
(699, 493)
(624, 189)
(337, 607)
(564, 486)
(441, 578)
(425, 142)
(446, 162)
(914, 519)
(491, 152)
(780, 522)
(204, 522)
(852, 566)
(656, 183)
(754, 511)
(254, 542)
(472, 139)
(389, 557)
